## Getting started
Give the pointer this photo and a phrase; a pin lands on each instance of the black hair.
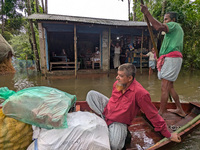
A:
(173, 15)
(128, 68)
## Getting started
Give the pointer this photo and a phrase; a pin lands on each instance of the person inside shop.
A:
(96, 55)
(117, 51)
(63, 55)
(130, 54)
(96, 51)
(127, 99)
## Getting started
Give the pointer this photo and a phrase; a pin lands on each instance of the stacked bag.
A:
(14, 134)
(41, 106)
(37, 118)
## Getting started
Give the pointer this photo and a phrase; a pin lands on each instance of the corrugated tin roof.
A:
(50, 17)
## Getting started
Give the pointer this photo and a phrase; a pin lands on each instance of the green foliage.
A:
(14, 25)
(19, 35)
(13, 19)
(7, 35)
(21, 46)
(189, 18)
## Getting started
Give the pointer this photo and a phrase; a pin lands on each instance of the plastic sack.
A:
(41, 106)
(5, 93)
(86, 131)
(14, 135)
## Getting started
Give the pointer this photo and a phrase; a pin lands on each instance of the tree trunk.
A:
(2, 17)
(37, 62)
(163, 9)
(46, 6)
(42, 1)
(37, 7)
(134, 10)
(129, 17)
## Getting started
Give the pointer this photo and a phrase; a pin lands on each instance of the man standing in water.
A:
(127, 99)
(170, 58)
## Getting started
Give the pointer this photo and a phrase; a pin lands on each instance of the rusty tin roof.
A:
(78, 19)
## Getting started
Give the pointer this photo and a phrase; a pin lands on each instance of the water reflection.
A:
(187, 86)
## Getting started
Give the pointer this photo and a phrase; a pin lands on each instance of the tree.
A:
(46, 7)
(11, 19)
(22, 47)
(42, 2)
(33, 37)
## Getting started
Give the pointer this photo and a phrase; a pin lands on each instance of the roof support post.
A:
(75, 50)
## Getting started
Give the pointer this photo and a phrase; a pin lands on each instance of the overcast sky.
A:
(109, 9)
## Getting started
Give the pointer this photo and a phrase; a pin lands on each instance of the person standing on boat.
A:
(127, 99)
(170, 58)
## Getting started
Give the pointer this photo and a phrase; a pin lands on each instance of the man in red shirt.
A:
(128, 97)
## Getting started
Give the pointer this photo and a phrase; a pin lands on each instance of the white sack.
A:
(86, 131)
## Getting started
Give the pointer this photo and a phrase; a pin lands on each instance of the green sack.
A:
(41, 106)
(5, 93)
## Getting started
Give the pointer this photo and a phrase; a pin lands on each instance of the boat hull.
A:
(142, 132)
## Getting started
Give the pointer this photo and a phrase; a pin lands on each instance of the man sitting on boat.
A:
(128, 97)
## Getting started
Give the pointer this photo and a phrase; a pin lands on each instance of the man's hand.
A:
(175, 137)
(144, 9)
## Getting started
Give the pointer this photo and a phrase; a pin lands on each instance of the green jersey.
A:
(173, 40)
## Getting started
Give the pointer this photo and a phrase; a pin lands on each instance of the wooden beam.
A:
(75, 50)
(141, 51)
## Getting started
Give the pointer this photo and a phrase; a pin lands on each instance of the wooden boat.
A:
(143, 134)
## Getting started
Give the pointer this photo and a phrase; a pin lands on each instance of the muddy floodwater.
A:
(187, 87)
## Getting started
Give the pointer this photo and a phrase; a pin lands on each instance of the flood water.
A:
(187, 86)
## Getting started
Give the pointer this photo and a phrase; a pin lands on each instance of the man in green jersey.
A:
(170, 58)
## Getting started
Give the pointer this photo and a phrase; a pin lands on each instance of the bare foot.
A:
(178, 112)
(163, 114)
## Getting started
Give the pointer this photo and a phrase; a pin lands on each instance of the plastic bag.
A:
(41, 106)
(86, 131)
(5, 93)
(14, 135)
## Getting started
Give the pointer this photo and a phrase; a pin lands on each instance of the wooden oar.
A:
(189, 124)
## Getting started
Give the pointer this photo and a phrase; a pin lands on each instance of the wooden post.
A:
(109, 39)
(45, 55)
(43, 48)
(141, 51)
(75, 50)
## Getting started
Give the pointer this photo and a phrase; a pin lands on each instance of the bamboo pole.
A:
(75, 50)
(190, 123)
(150, 32)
